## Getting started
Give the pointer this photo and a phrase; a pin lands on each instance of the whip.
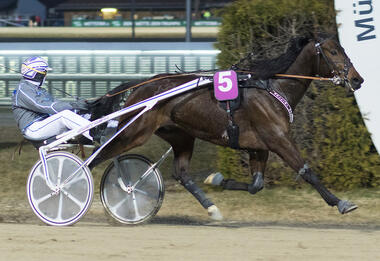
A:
(62, 91)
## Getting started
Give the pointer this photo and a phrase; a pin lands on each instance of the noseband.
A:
(337, 79)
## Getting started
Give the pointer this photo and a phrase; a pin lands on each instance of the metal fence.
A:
(144, 23)
(91, 73)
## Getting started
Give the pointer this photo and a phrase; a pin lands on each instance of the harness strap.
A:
(232, 128)
(264, 85)
(318, 50)
(284, 102)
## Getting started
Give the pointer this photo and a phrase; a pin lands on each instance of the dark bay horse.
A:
(263, 121)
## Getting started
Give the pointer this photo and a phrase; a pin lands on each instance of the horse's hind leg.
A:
(257, 162)
(286, 149)
(183, 145)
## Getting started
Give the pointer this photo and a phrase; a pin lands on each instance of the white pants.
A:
(55, 125)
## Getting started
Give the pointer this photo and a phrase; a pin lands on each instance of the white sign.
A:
(359, 33)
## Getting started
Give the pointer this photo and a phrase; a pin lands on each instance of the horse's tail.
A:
(107, 104)
(111, 101)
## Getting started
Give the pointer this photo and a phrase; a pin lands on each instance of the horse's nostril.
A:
(357, 81)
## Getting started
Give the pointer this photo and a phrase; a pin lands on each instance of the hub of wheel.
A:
(129, 189)
(56, 191)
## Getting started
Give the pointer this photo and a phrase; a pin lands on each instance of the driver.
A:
(39, 115)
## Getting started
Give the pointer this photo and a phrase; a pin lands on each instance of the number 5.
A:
(224, 78)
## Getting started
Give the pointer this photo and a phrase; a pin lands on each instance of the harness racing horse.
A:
(262, 119)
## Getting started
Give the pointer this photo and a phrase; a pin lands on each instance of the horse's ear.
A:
(310, 34)
(322, 36)
(316, 35)
(302, 41)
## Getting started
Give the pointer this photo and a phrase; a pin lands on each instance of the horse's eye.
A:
(334, 52)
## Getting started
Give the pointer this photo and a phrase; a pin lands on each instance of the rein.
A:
(149, 81)
(188, 74)
(297, 76)
(303, 77)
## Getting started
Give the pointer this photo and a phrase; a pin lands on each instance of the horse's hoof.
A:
(345, 206)
(214, 179)
(214, 213)
(257, 183)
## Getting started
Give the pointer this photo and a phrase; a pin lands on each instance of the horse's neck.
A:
(305, 65)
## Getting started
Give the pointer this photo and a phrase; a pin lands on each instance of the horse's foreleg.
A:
(183, 145)
(286, 149)
(257, 162)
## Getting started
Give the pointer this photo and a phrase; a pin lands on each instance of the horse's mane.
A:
(266, 68)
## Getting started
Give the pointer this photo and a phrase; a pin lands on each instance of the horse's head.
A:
(334, 62)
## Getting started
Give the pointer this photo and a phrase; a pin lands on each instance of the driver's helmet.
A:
(35, 69)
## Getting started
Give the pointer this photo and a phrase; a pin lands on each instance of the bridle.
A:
(336, 79)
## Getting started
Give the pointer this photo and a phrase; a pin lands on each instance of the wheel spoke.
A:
(60, 207)
(137, 214)
(60, 169)
(116, 207)
(74, 176)
(121, 184)
(39, 172)
(77, 177)
(44, 198)
(145, 193)
(143, 178)
(120, 171)
(72, 198)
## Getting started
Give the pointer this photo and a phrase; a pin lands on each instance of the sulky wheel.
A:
(129, 192)
(64, 198)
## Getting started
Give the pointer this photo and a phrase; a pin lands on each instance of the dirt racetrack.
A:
(182, 231)
(277, 224)
(93, 241)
